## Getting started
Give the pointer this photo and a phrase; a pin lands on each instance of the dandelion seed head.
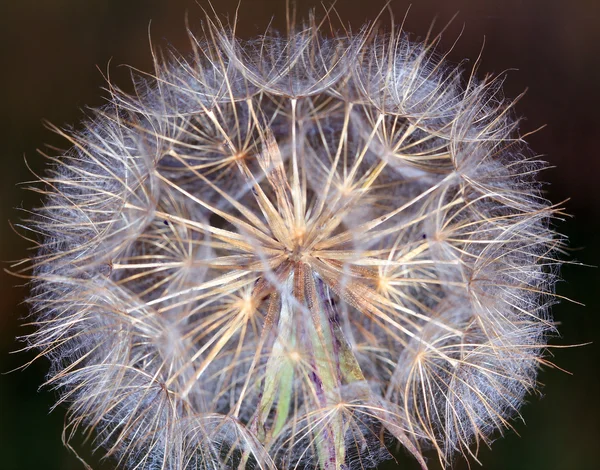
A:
(293, 252)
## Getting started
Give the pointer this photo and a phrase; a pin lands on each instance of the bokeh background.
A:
(53, 54)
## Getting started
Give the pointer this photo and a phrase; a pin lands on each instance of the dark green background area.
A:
(52, 56)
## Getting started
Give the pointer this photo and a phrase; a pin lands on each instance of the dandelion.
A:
(294, 252)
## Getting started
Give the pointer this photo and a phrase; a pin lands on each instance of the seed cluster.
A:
(292, 252)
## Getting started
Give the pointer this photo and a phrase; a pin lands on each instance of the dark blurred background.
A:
(52, 52)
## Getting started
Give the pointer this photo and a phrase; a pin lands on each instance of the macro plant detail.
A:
(294, 252)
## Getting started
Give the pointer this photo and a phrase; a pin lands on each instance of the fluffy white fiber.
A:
(293, 252)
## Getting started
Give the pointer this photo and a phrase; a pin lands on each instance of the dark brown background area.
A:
(49, 53)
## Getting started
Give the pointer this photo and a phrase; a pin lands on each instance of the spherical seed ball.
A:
(291, 252)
